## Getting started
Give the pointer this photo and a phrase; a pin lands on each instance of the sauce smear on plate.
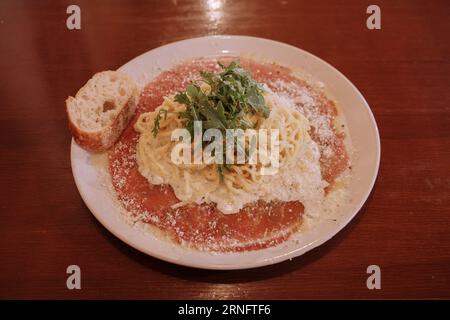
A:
(203, 227)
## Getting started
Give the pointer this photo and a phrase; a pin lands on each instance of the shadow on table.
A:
(232, 276)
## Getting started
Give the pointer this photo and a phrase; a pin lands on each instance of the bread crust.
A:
(105, 138)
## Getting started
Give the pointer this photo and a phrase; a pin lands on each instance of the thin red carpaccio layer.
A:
(203, 227)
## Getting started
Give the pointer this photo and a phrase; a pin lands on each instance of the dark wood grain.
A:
(403, 71)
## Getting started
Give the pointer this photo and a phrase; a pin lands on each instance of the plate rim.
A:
(267, 261)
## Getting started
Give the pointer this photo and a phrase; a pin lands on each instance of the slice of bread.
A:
(101, 110)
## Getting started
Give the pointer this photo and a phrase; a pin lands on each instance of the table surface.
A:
(402, 70)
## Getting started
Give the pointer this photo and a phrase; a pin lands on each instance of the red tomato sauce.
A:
(203, 227)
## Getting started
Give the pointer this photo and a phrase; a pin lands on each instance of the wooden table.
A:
(402, 70)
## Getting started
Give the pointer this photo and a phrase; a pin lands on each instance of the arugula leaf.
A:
(182, 98)
(233, 98)
(156, 124)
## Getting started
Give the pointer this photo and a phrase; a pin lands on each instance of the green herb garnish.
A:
(156, 125)
(234, 97)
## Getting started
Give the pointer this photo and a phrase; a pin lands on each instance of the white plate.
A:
(94, 184)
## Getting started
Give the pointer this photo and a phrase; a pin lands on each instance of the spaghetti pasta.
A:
(298, 176)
